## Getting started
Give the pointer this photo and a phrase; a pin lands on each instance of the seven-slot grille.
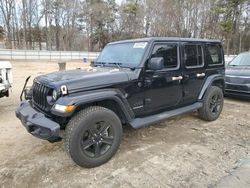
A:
(40, 93)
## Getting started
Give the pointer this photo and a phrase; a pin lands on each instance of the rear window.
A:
(213, 54)
(193, 55)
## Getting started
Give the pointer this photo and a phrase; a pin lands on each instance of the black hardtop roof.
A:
(165, 39)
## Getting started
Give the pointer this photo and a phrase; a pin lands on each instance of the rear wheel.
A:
(93, 136)
(212, 105)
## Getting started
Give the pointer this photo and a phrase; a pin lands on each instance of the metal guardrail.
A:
(56, 55)
(46, 55)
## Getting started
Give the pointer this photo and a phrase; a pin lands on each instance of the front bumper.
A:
(238, 90)
(37, 124)
(4, 90)
(4, 86)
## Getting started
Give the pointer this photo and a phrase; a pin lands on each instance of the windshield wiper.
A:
(117, 64)
(99, 63)
(127, 67)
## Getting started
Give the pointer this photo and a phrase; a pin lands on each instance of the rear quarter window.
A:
(213, 54)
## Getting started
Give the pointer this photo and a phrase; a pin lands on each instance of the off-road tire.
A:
(79, 124)
(205, 112)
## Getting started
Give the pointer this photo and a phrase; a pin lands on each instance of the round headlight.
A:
(54, 95)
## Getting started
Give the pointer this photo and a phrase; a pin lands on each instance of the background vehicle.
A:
(135, 82)
(238, 76)
(5, 78)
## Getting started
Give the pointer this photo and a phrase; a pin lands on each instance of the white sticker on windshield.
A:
(140, 45)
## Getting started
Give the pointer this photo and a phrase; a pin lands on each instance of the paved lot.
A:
(181, 152)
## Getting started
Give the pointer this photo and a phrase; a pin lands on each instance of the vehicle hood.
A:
(238, 75)
(238, 71)
(82, 79)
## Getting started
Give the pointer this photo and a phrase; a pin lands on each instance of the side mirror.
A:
(156, 63)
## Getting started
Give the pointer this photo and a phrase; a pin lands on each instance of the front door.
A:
(163, 89)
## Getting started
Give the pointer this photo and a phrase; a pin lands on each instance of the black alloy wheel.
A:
(98, 139)
(215, 103)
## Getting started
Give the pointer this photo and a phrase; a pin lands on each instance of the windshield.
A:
(123, 54)
(241, 60)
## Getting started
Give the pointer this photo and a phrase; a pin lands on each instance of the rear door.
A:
(194, 73)
(163, 88)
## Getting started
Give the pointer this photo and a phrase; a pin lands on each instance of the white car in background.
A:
(6, 78)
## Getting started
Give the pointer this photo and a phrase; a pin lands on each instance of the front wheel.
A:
(212, 104)
(93, 136)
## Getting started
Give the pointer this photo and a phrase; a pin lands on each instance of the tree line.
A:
(91, 24)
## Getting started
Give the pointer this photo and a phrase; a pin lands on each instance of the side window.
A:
(193, 55)
(169, 52)
(213, 54)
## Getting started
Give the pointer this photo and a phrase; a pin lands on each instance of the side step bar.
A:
(143, 122)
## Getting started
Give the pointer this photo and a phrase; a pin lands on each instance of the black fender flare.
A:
(209, 81)
(95, 96)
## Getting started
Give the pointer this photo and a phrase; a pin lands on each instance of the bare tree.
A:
(91, 24)
(6, 7)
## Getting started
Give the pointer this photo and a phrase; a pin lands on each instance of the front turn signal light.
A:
(62, 108)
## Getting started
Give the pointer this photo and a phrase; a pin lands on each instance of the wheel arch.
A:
(219, 83)
(111, 99)
(109, 103)
(214, 80)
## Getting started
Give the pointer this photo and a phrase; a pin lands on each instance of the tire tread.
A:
(204, 112)
(73, 125)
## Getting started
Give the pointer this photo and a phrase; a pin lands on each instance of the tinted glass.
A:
(169, 52)
(125, 54)
(193, 55)
(213, 54)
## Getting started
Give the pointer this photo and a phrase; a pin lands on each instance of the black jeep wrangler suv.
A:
(134, 82)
